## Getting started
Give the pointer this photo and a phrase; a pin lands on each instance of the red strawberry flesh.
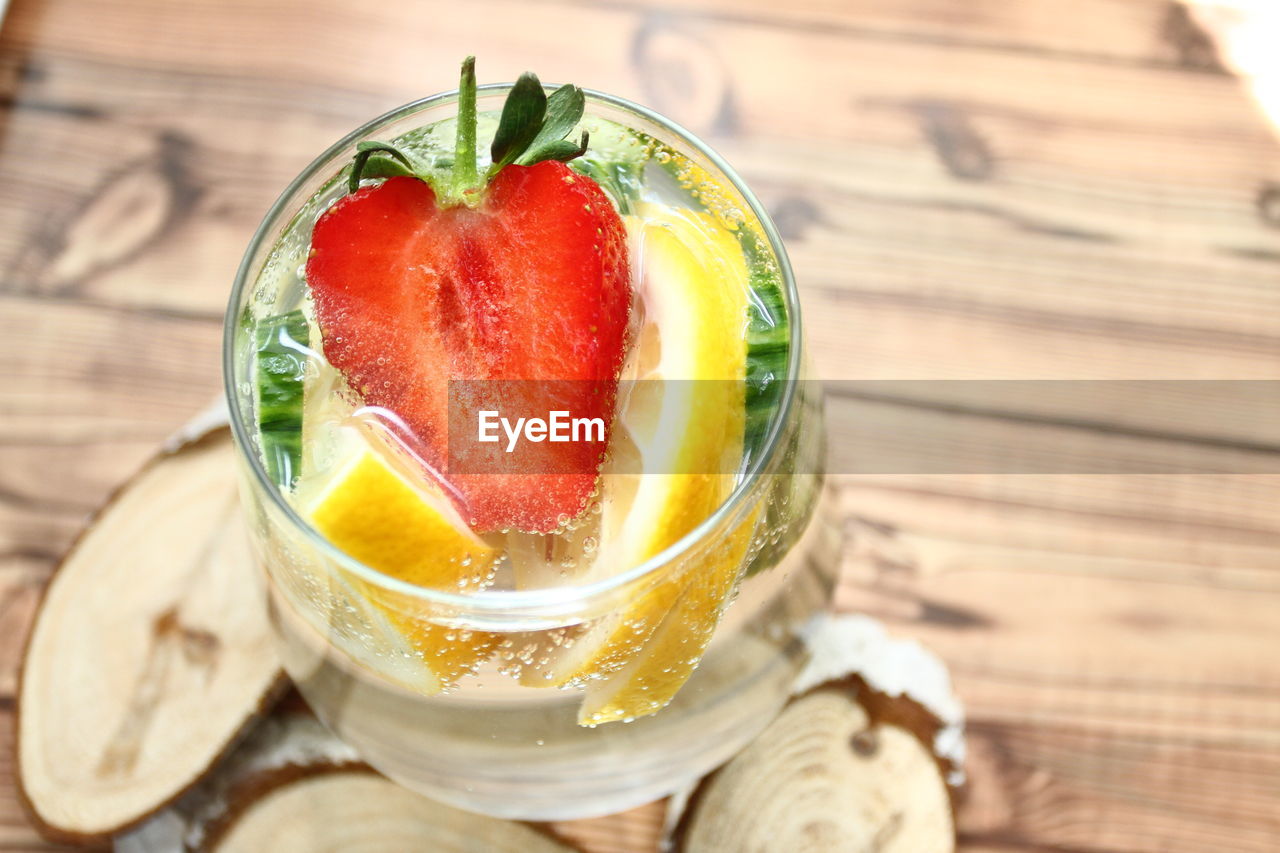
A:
(533, 284)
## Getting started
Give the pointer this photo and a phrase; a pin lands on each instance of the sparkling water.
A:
(498, 740)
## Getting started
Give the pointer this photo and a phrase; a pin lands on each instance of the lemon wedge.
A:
(676, 444)
(405, 528)
(650, 679)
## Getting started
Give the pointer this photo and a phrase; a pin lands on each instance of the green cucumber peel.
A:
(280, 349)
(768, 339)
(620, 179)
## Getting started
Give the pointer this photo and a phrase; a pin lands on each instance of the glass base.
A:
(495, 747)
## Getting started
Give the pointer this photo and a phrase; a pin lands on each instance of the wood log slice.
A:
(150, 653)
(347, 809)
(822, 777)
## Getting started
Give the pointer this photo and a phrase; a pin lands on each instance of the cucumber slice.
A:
(620, 180)
(768, 339)
(280, 346)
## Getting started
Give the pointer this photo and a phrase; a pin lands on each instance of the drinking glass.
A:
(492, 743)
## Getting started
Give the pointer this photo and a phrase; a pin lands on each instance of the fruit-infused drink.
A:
(525, 453)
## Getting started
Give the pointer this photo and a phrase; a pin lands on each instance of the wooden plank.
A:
(873, 430)
(1216, 415)
(1088, 250)
(22, 579)
(1020, 620)
(83, 373)
(1174, 616)
(1095, 311)
(1139, 31)
(1143, 31)
(1117, 309)
(1054, 747)
(1030, 86)
(1212, 526)
(16, 833)
(1024, 777)
(1028, 194)
(1068, 789)
(1115, 667)
(637, 829)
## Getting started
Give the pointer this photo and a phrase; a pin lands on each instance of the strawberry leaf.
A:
(522, 118)
(385, 167)
(369, 164)
(561, 149)
(564, 110)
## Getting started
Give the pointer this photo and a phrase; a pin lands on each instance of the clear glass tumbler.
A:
(494, 743)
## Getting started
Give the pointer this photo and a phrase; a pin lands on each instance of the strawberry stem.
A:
(532, 128)
(464, 184)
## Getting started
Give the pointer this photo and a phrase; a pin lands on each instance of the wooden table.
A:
(1026, 189)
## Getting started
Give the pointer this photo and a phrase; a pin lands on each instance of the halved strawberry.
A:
(428, 277)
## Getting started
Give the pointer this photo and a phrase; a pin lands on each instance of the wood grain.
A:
(998, 189)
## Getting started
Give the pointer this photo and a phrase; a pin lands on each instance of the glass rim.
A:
(508, 602)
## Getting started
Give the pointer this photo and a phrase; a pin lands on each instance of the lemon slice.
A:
(676, 444)
(650, 679)
(405, 528)
(683, 421)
